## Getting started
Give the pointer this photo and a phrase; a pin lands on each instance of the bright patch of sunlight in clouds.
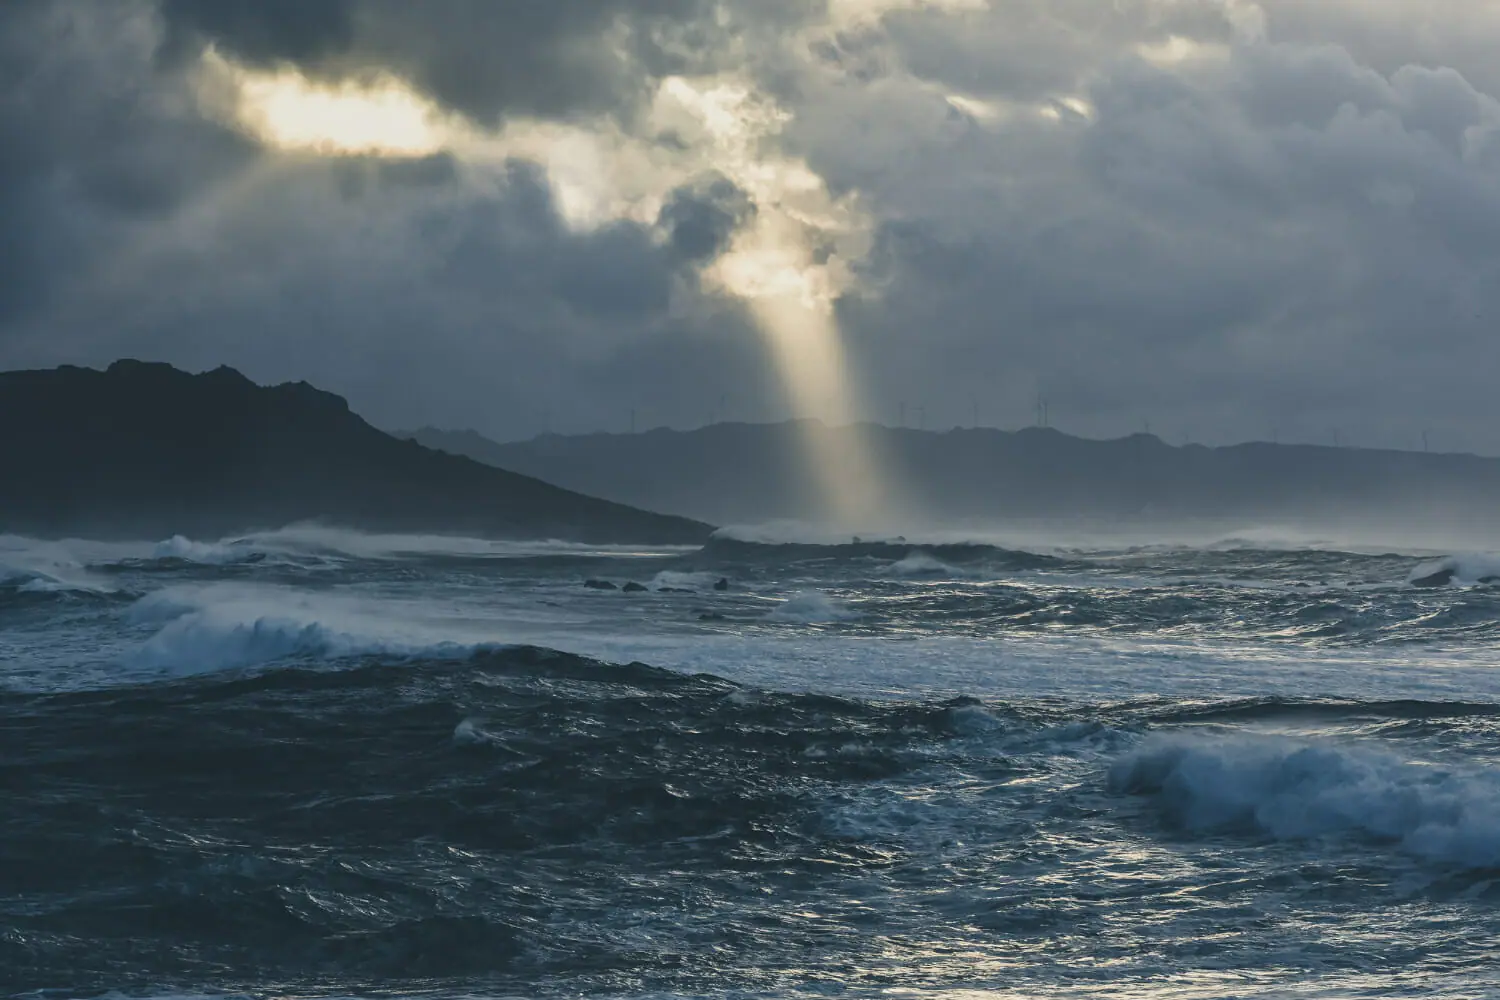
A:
(790, 261)
(285, 110)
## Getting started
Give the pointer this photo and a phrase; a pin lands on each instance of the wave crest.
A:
(29, 566)
(1294, 790)
(225, 627)
(1469, 569)
(812, 608)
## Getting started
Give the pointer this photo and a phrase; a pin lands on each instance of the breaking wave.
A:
(812, 608)
(920, 563)
(35, 567)
(1291, 789)
(224, 627)
(1469, 569)
(208, 553)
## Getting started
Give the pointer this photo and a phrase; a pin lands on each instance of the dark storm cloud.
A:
(261, 32)
(433, 303)
(89, 143)
(151, 230)
(482, 58)
(1218, 216)
(1247, 232)
(701, 218)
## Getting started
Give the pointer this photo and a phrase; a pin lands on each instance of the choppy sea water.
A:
(314, 763)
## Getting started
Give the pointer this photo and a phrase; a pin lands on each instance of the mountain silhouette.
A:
(144, 450)
(749, 473)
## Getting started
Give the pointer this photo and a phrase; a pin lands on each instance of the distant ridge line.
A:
(734, 473)
(429, 432)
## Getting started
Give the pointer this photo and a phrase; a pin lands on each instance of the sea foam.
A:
(919, 564)
(1463, 569)
(1302, 790)
(34, 566)
(317, 545)
(367, 545)
(208, 553)
(221, 627)
(809, 607)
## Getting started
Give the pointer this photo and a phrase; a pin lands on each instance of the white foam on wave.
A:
(47, 567)
(307, 545)
(366, 545)
(224, 626)
(810, 607)
(919, 564)
(208, 553)
(684, 580)
(1467, 569)
(1291, 789)
(308, 540)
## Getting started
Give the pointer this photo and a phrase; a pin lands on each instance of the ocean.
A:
(315, 762)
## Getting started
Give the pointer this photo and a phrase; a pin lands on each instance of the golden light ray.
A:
(790, 263)
(787, 266)
(808, 350)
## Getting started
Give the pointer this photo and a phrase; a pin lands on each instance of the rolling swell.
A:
(525, 819)
(499, 817)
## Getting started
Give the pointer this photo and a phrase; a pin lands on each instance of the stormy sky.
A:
(1224, 219)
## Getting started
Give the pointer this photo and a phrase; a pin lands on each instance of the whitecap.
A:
(919, 563)
(1291, 789)
(1464, 569)
(36, 566)
(809, 607)
(221, 627)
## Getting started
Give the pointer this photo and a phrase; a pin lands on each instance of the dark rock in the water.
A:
(1304, 586)
(634, 588)
(599, 585)
(674, 590)
(722, 584)
(711, 616)
(1441, 578)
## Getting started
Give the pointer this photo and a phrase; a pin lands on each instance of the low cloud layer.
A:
(1220, 219)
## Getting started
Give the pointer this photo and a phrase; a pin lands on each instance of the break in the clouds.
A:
(1226, 219)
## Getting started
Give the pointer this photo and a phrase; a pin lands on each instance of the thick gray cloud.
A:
(701, 219)
(1265, 237)
(484, 59)
(1229, 220)
(90, 143)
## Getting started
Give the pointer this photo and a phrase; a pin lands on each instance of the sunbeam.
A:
(789, 262)
(805, 341)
